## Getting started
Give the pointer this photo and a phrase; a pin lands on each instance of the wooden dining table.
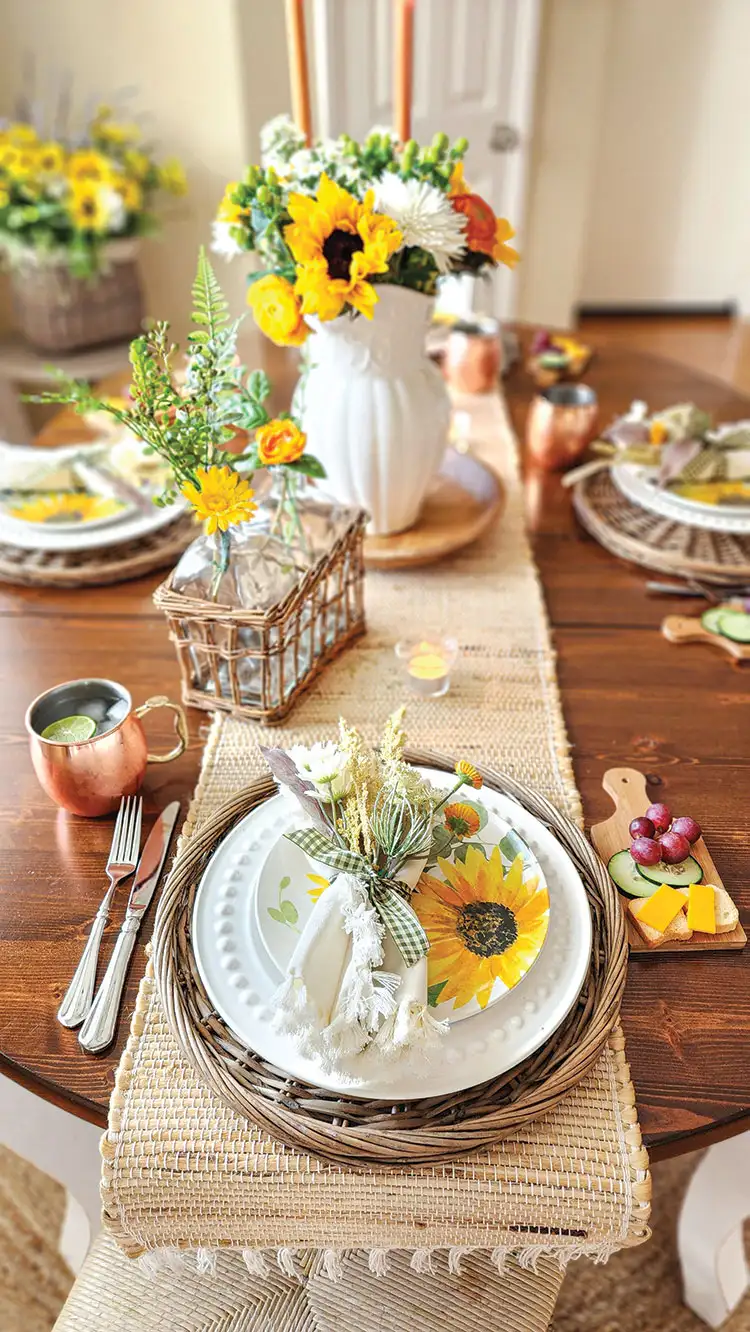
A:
(630, 698)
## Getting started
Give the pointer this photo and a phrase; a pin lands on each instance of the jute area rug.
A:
(637, 1291)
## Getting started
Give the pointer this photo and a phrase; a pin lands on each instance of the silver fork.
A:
(123, 854)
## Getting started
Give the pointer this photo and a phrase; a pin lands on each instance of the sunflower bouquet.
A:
(386, 941)
(332, 222)
(192, 424)
(65, 199)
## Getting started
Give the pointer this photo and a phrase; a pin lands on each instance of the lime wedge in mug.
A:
(70, 730)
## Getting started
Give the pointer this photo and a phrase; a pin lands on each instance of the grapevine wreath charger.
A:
(408, 991)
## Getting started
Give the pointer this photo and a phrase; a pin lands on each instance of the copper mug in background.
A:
(473, 356)
(89, 778)
(560, 425)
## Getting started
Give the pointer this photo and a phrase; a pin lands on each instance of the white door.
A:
(474, 69)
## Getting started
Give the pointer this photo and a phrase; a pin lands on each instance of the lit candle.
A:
(428, 665)
(298, 78)
(403, 67)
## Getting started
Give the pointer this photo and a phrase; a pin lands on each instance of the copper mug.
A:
(90, 777)
(473, 356)
(560, 426)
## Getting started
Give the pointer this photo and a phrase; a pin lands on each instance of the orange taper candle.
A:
(403, 67)
(298, 78)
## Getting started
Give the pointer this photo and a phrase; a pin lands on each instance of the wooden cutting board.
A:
(688, 629)
(627, 787)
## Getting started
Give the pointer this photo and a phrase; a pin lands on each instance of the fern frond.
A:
(210, 307)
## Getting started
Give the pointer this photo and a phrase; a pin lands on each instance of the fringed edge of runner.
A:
(424, 1262)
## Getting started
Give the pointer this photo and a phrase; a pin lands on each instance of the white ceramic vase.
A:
(375, 408)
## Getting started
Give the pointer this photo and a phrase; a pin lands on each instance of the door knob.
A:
(504, 138)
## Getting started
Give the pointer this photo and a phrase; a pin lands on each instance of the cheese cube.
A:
(701, 912)
(662, 907)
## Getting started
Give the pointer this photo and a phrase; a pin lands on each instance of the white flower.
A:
(222, 241)
(115, 208)
(279, 139)
(326, 766)
(424, 216)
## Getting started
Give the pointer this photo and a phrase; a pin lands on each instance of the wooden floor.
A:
(715, 346)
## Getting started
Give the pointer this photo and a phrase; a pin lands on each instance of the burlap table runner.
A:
(184, 1173)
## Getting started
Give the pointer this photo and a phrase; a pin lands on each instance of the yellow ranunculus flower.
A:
(338, 243)
(129, 191)
(220, 497)
(228, 210)
(277, 311)
(172, 176)
(280, 442)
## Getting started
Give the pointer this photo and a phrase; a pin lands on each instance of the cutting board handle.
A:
(683, 629)
(627, 787)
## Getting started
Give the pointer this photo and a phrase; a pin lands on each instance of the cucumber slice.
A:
(677, 876)
(624, 872)
(735, 625)
(710, 619)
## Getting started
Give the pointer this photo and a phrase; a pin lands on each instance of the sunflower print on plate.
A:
(66, 508)
(484, 925)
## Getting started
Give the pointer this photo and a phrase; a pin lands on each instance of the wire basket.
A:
(257, 663)
(57, 312)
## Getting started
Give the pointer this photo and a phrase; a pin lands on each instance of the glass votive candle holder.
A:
(427, 664)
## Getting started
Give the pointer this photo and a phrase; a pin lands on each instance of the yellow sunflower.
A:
(25, 136)
(88, 207)
(483, 925)
(338, 243)
(50, 159)
(461, 819)
(20, 163)
(87, 164)
(220, 497)
(66, 508)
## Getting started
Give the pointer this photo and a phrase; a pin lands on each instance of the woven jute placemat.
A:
(183, 1172)
(658, 543)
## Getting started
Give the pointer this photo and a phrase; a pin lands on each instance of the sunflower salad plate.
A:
(66, 501)
(496, 896)
(482, 900)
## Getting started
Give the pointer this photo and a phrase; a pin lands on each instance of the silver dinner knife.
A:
(99, 1028)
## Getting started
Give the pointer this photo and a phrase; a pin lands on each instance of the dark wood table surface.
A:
(630, 698)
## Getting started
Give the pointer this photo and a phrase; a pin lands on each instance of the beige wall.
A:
(669, 218)
(202, 79)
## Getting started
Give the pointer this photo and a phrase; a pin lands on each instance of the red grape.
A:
(642, 827)
(645, 851)
(674, 848)
(687, 827)
(660, 815)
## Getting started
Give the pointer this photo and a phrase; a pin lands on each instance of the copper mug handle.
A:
(180, 726)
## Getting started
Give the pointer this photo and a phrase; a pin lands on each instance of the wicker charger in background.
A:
(645, 538)
(92, 568)
(353, 1131)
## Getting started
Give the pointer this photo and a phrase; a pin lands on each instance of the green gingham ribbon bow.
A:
(388, 896)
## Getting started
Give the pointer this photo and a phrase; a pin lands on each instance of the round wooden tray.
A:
(89, 568)
(465, 499)
(359, 1132)
(658, 543)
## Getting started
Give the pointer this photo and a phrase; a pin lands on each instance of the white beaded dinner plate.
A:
(240, 977)
(289, 884)
(114, 531)
(639, 484)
